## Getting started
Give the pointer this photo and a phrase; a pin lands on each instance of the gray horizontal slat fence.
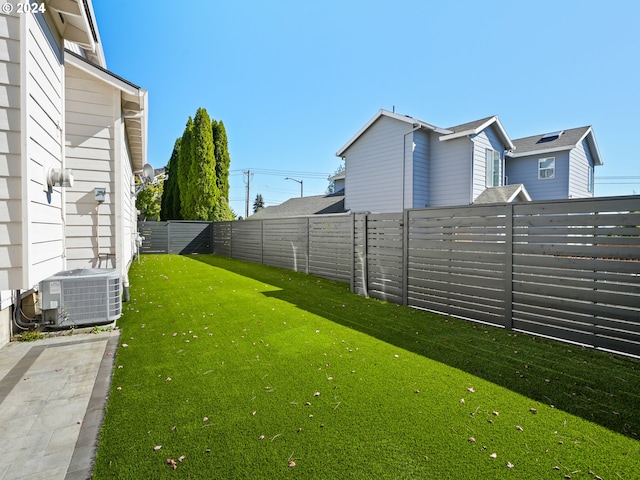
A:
(576, 271)
(384, 256)
(566, 269)
(156, 237)
(330, 247)
(246, 241)
(176, 236)
(222, 244)
(186, 237)
(457, 261)
(285, 243)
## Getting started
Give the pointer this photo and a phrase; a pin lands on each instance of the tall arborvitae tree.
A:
(171, 196)
(185, 159)
(203, 194)
(223, 160)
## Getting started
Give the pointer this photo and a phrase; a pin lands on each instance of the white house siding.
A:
(30, 143)
(450, 172)
(92, 108)
(420, 197)
(579, 164)
(10, 161)
(483, 140)
(129, 214)
(374, 168)
(525, 170)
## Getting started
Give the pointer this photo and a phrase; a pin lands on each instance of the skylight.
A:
(548, 137)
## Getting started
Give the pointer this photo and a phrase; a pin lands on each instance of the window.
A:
(546, 168)
(493, 168)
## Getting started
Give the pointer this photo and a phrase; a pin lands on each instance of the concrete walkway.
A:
(52, 399)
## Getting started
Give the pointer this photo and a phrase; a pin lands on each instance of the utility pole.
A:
(248, 195)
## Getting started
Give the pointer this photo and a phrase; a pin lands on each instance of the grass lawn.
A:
(237, 370)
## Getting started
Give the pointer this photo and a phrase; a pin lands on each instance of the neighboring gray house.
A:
(396, 162)
(555, 165)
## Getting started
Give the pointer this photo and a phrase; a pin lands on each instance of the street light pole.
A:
(299, 181)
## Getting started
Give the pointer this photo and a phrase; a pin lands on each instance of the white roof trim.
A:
(520, 190)
(101, 74)
(516, 154)
(480, 128)
(409, 120)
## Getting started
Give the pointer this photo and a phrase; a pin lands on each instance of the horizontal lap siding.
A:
(10, 155)
(91, 108)
(576, 273)
(43, 235)
(284, 243)
(457, 262)
(330, 248)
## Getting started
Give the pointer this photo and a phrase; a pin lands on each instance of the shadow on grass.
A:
(597, 386)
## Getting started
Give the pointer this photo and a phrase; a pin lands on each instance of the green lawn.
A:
(241, 369)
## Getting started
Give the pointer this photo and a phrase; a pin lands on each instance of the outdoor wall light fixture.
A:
(59, 177)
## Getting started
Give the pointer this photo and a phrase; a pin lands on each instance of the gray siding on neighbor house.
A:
(450, 172)
(525, 170)
(420, 185)
(580, 162)
(374, 168)
(484, 140)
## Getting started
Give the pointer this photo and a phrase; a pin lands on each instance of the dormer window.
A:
(546, 168)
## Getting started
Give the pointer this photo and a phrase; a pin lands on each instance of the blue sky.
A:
(294, 81)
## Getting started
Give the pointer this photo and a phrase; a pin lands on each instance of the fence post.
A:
(169, 236)
(353, 251)
(405, 257)
(508, 268)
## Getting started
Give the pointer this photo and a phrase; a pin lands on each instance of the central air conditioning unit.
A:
(81, 298)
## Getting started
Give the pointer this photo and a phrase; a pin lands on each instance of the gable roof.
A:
(304, 206)
(417, 124)
(565, 140)
(475, 127)
(504, 194)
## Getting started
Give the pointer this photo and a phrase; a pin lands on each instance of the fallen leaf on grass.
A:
(157, 447)
(509, 464)
(292, 463)
(182, 457)
(471, 389)
(518, 427)
(533, 410)
(472, 440)
(493, 455)
(172, 463)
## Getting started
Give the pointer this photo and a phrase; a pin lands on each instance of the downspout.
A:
(416, 126)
